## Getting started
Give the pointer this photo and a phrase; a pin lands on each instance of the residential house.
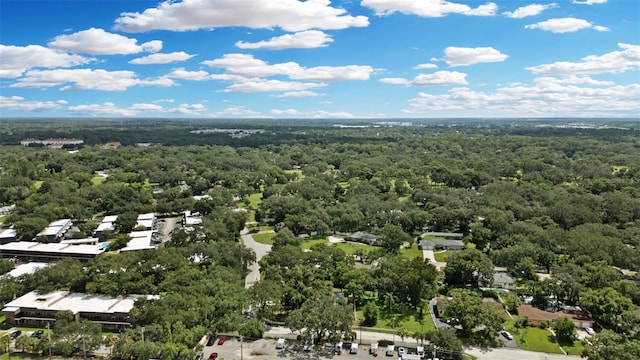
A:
(503, 280)
(579, 318)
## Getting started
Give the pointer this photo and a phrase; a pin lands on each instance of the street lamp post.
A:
(49, 337)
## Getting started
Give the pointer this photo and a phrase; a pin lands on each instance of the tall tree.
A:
(323, 316)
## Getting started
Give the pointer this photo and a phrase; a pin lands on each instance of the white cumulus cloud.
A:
(99, 42)
(86, 79)
(289, 15)
(528, 10)
(263, 85)
(565, 25)
(298, 94)
(428, 8)
(20, 104)
(627, 59)
(589, 2)
(462, 56)
(439, 78)
(300, 40)
(426, 66)
(161, 58)
(107, 108)
(549, 98)
(15, 60)
(248, 66)
(183, 74)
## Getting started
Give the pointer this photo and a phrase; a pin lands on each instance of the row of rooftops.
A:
(74, 302)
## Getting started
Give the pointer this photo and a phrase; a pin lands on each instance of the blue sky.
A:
(320, 58)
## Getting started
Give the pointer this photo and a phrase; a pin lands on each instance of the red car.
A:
(213, 356)
(221, 340)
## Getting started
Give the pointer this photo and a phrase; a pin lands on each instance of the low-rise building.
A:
(56, 230)
(33, 309)
(191, 219)
(140, 240)
(503, 280)
(441, 244)
(35, 251)
(579, 318)
(7, 235)
(147, 221)
(107, 224)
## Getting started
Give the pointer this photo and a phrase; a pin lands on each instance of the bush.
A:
(370, 313)
(543, 324)
(252, 329)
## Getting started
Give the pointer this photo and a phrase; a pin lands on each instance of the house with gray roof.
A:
(441, 244)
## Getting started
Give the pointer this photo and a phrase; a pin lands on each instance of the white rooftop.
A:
(7, 233)
(60, 223)
(147, 216)
(26, 268)
(147, 223)
(140, 240)
(75, 302)
(32, 246)
(110, 218)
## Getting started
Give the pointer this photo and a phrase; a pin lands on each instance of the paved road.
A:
(260, 250)
(511, 354)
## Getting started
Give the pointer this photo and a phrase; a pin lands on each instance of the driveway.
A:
(430, 255)
(260, 250)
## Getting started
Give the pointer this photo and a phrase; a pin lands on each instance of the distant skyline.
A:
(320, 58)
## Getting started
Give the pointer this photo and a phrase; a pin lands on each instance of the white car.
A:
(507, 335)
(589, 330)
(400, 351)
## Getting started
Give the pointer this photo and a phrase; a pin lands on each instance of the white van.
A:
(280, 343)
(391, 349)
(420, 351)
(354, 348)
(339, 347)
(373, 349)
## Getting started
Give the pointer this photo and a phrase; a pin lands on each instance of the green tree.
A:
(392, 237)
(252, 329)
(371, 312)
(469, 267)
(445, 340)
(321, 317)
(607, 345)
(605, 304)
(467, 310)
(565, 330)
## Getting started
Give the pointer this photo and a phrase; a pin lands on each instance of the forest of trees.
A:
(533, 199)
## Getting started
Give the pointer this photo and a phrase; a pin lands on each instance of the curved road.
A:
(260, 250)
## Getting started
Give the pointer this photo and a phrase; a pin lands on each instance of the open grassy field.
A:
(264, 238)
(411, 252)
(534, 339)
(350, 248)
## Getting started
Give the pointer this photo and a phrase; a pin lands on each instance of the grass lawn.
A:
(412, 252)
(16, 355)
(310, 241)
(98, 179)
(442, 256)
(264, 238)
(534, 339)
(255, 200)
(574, 349)
(350, 248)
(405, 319)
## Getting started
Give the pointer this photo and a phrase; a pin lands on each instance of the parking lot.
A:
(266, 349)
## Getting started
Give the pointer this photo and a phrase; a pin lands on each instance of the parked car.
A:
(14, 335)
(213, 356)
(400, 351)
(589, 330)
(37, 334)
(200, 356)
(506, 334)
(221, 340)
(211, 341)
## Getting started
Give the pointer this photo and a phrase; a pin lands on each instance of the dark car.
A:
(211, 341)
(221, 340)
(15, 334)
(213, 356)
(37, 334)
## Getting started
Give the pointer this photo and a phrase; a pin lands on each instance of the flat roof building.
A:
(146, 220)
(7, 235)
(56, 229)
(35, 251)
(140, 240)
(26, 268)
(40, 309)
